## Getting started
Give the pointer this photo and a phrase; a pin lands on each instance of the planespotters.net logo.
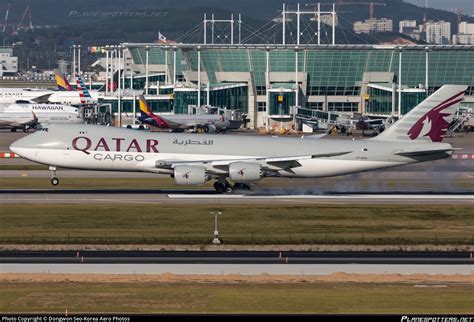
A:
(116, 14)
(406, 318)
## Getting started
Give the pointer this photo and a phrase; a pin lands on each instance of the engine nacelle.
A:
(190, 175)
(209, 128)
(242, 172)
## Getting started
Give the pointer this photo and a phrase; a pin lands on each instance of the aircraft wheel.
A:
(13, 129)
(241, 186)
(220, 188)
(206, 129)
(54, 181)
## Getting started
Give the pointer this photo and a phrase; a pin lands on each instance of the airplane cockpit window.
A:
(44, 129)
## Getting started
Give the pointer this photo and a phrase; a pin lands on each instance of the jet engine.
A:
(209, 128)
(190, 175)
(241, 172)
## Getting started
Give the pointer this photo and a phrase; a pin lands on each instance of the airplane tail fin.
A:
(429, 120)
(148, 117)
(85, 94)
(145, 109)
(61, 81)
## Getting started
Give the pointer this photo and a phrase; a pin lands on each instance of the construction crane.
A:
(371, 4)
(459, 12)
(5, 23)
(20, 24)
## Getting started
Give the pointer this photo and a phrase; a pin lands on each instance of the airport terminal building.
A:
(274, 85)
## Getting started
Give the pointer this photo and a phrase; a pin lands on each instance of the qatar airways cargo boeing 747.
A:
(195, 159)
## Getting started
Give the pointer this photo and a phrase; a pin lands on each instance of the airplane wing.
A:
(268, 163)
(43, 99)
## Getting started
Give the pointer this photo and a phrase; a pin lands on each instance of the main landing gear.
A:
(223, 186)
(54, 180)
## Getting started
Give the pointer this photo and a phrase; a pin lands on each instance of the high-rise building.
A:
(466, 28)
(406, 24)
(8, 63)
(465, 34)
(438, 32)
(373, 25)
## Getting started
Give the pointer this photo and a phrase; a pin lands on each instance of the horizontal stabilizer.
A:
(423, 152)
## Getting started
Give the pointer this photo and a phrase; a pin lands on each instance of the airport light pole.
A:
(147, 49)
(283, 16)
(119, 87)
(112, 70)
(333, 23)
(199, 77)
(400, 82)
(73, 62)
(124, 69)
(78, 60)
(166, 67)
(427, 57)
(297, 87)
(267, 87)
(174, 65)
(216, 239)
(107, 70)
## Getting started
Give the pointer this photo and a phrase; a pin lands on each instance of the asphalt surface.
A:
(239, 269)
(242, 263)
(227, 257)
(175, 197)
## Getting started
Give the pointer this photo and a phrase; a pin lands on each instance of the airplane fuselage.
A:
(13, 95)
(17, 115)
(102, 148)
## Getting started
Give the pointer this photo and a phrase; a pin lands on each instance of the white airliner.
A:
(35, 116)
(209, 123)
(194, 159)
(64, 95)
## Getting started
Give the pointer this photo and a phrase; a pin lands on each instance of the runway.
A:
(269, 196)
(244, 263)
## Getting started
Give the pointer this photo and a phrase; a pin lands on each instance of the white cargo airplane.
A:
(36, 116)
(194, 159)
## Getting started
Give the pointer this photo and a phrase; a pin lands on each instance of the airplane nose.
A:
(18, 146)
(14, 147)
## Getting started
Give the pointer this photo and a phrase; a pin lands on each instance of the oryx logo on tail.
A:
(433, 124)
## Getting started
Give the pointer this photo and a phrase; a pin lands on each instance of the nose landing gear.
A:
(54, 180)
